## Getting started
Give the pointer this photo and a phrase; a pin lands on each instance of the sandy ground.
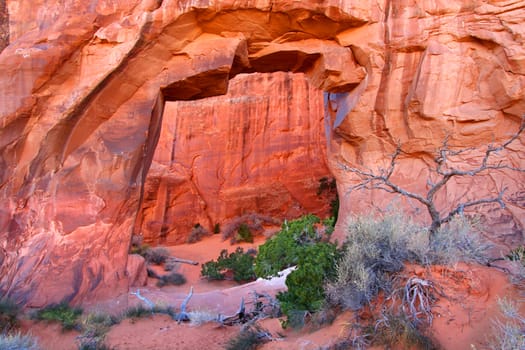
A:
(463, 314)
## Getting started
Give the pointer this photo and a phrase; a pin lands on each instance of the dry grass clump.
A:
(378, 247)
(508, 334)
(249, 338)
(197, 233)
(18, 341)
(173, 278)
(157, 255)
(94, 328)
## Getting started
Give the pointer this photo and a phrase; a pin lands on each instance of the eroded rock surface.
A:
(259, 149)
(84, 84)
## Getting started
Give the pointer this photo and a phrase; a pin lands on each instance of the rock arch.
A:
(74, 183)
(81, 99)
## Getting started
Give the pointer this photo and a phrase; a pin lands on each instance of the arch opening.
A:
(257, 150)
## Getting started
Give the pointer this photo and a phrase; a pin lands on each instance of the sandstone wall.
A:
(261, 148)
(83, 88)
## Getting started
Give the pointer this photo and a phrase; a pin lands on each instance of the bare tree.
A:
(441, 174)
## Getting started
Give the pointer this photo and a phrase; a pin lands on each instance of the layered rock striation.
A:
(259, 149)
(84, 86)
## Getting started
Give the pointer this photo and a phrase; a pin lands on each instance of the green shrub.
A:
(63, 313)
(17, 341)
(286, 247)
(238, 263)
(244, 234)
(299, 243)
(173, 278)
(9, 311)
(217, 228)
(305, 285)
(157, 255)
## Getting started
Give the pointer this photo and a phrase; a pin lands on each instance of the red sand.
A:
(463, 317)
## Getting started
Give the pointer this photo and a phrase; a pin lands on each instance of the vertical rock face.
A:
(4, 25)
(261, 148)
(84, 84)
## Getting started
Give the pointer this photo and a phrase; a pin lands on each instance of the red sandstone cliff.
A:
(261, 148)
(84, 84)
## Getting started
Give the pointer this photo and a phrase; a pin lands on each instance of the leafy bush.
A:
(63, 313)
(244, 234)
(157, 255)
(286, 247)
(17, 341)
(8, 315)
(305, 291)
(217, 228)
(238, 263)
(197, 232)
(173, 278)
(299, 243)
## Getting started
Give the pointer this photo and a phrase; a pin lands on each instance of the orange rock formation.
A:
(84, 85)
(259, 149)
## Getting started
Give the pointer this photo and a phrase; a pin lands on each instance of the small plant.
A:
(199, 317)
(217, 228)
(253, 222)
(157, 255)
(244, 234)
(197, 233)
(395, 329)
(94, 329)
(173, 278)
(17, 341)
(517, 254)
(239, 264)
(9, 311)
(63, 313)
(138, 311)
(140, 249)
(141, 311)
(249, 338)
(509, 333)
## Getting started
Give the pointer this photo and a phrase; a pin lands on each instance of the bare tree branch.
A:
(381, 178)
